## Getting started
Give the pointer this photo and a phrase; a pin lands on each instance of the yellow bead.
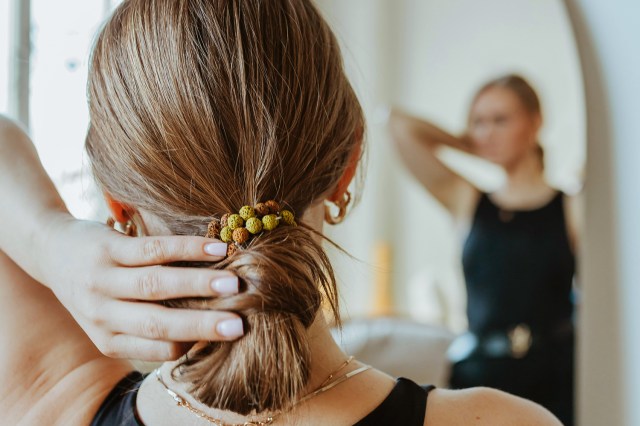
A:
(254, 225)
(247, 212)
(287, 217)
(235, 221)
(226, 234)
(240, 235)
(270, 222)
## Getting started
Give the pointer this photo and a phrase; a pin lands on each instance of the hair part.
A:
(519, 86)
(199, 107)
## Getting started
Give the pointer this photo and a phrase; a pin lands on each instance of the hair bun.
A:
(284, 275)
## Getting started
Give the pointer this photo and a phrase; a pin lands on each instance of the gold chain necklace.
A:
(324, 386)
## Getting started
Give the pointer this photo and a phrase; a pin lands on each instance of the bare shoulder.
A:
(574, 216)
(8, 127)
(50, 371)
(484, 406)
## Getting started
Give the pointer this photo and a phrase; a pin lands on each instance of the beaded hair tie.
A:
(236, 229)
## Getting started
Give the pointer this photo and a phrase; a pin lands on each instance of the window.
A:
(4, 56)
(60, 47)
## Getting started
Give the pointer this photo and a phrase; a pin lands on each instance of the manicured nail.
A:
(216, 249)
(230, 328)
(225, 285)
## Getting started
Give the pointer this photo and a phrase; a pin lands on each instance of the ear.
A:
(351, 169)
(121, 212)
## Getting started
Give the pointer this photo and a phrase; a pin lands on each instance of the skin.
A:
(501, 131)
(54, 374)
(102, 278)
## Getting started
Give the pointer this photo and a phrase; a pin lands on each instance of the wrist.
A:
(46, 239)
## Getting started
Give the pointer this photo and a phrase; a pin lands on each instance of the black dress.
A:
(519, 269)
(405, 405)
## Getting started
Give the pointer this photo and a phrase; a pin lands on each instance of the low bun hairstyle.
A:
(199, 107)
(284, 274)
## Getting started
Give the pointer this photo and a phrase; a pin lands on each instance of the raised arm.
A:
(95, 301)
(101, 277)
(30, 201)
(417, 141)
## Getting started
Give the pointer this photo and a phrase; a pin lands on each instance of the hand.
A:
(108, 282)
(466, 144)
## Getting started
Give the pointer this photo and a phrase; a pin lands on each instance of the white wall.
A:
(429, 57)
(609, 341)
(4, 56)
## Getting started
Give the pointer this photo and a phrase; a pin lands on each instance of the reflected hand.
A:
(109, 283)
(466, 144)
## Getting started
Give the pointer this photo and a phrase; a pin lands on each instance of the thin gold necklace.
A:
(324, 386)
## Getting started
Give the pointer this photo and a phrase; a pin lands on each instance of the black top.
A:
(518, 267)
(405, 405)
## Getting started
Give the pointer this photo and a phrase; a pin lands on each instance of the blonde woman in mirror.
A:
(519, 253)
(208, 117)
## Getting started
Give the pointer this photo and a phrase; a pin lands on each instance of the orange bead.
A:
(262, 209)
(223, 219)
(273, 205)
(240, 235)
(231, 250)
(213, 229)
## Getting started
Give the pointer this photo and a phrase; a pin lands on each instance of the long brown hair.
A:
(199, 107)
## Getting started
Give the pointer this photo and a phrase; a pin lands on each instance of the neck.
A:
(525, 174)
(326, 358)
(326, 355)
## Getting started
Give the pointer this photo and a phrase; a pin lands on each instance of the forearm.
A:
(408, 127)
(31, 202)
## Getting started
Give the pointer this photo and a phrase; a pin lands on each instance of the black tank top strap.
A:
(119, 408)
(406, 405)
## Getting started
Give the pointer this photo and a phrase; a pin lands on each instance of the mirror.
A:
(430, 58)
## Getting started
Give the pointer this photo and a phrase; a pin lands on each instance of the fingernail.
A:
(225, 285)
(230, 328)
(216, 249)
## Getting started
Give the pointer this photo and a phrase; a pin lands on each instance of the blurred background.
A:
(428, 57)
(425, 56)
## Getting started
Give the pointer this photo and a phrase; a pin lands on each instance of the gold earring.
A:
(342, 204)
(129, 229)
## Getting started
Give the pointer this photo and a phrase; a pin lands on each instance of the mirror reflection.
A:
(466, 232)
(477, 165)
(519, 245)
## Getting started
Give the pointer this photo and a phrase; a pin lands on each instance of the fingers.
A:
(160, 250)
(132, 347)
(162, 283)
(156, 322)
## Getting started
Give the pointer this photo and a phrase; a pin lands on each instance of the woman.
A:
(518, 258)
(200, 109)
